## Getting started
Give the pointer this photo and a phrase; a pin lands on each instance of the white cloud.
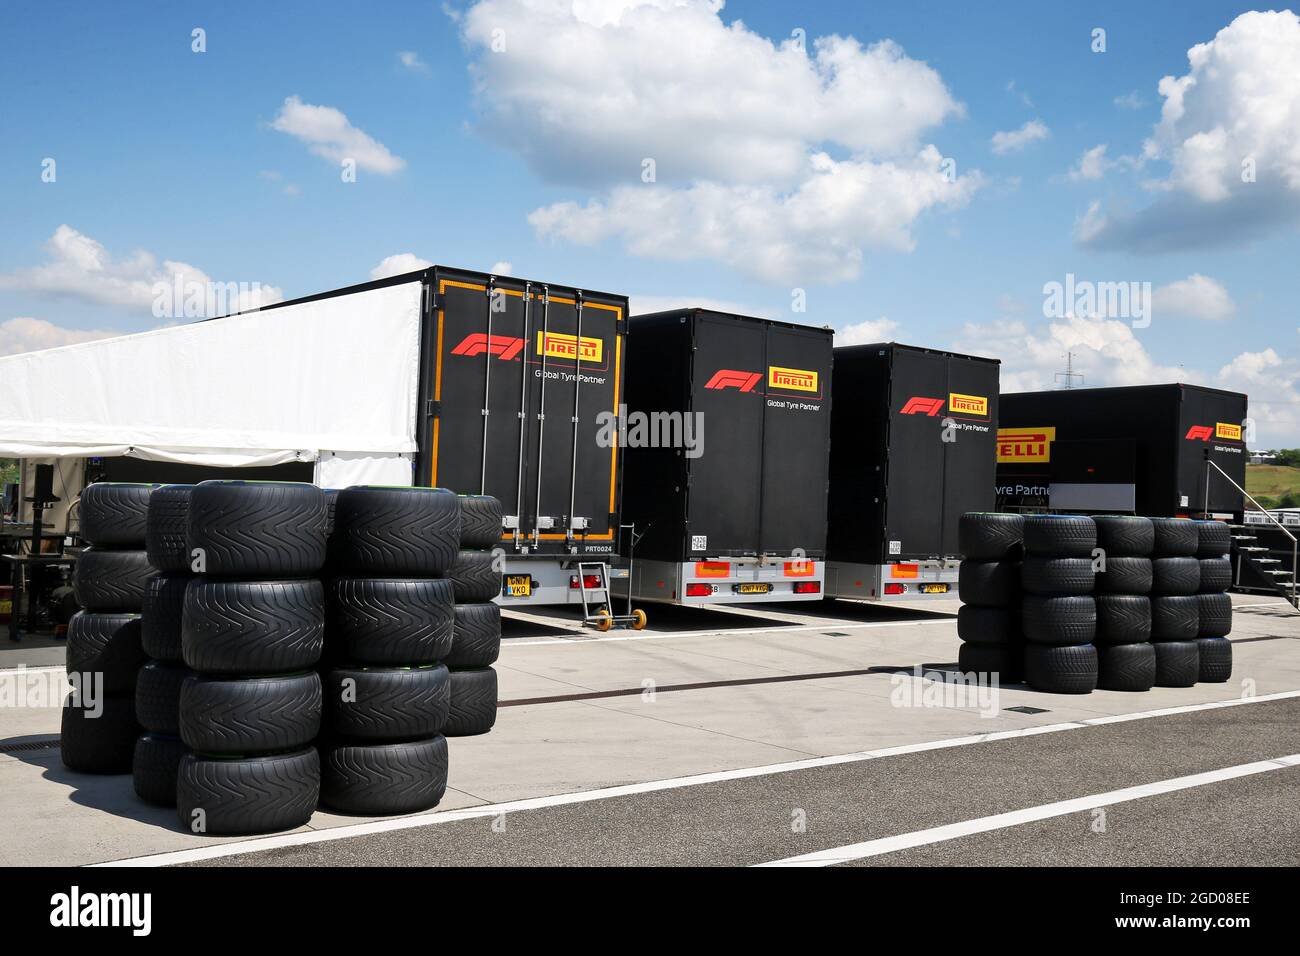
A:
(398, 265)
(1272, 383)
(1093, 164)
(646, 304)
(330, 134)
(80, 267)
(502, 268)
(411, 61)
(1130, 101)
(739, 130)
(1012, 141)
(1196, 297)
(867, 332)
(25, 334)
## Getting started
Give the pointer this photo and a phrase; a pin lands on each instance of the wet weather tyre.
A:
(1213, 615)
(153, 768)
(986, 536)
(1126, 667)
(111, 580)
(1125, 536)
(1059, 620)
(396, 531)
(989, 583)
(473, 702)
(384, 779)
(475, 577)
(480, 522)
(250, 715)
(158, 697)
(1125, 576)
(248, 795)
(1172, 576)
(165, 540)
(476, 635)
(1061, 670)
(1175, 538)
(386, 704)
(99, 744)
(108, 645)
(161, 615)
(989, 626)
(1006, 661)
(1060, 536)
(1178, 663)
(1213, 539)
(1041, 575)
(114, 515)
(389, 621)
(1214, 659)
(253, 627)
(1216, 574)
(1174, 618)
(1123, 619)
(257, 529)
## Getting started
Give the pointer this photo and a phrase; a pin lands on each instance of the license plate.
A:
(519, 585)
(753, 588)
(934, 589)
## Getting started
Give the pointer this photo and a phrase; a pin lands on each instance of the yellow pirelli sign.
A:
(561, 346)
(1025, 444)
(959, 404)
(799, 379)
(1227, 431)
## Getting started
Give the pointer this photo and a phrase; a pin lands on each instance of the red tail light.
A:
(589, 581)
(699, 590)
(807, 587)
(895, 588)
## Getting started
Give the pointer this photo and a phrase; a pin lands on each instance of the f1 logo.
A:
(730, 378)
(1199, 433)
(503, 346)
(923, 406)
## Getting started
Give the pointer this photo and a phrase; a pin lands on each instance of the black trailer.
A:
(727, 480)
(1139, 449)
(912, 449)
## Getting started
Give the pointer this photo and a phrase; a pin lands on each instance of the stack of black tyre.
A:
(1214, 607)
(1175, 614)
(390, 620)
(988, 582)
(252, 630)
(476, 639)
(159, 749)
(104, 651)
(1059, 613)
(1126, 658)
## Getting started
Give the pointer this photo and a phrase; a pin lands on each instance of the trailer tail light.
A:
(799, 569)
(895, 588)
(589, 581)
(902, 571)
(712, 569)
(807, 587)
(699, 590)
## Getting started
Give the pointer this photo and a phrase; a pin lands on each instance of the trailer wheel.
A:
(987, 536)
(480, 522)
(154, 766)
(386, 704)
(989, 583)
(1126, 667)
(1215, 659)
(475, 576)
(1213, 539)
(1061, 670)
(1213, 615)
(1178, 663)
(106, 645)
(115, 515)
(111, 580)
(1216, 574)
(160, 616)
(1059, 620)
(1123, 619)
(98, 741)
(250, 715)
(1125, 536)
(1174, 618)
(989, 626)
(390, 620)
(476, 636)
(1175, 538)
(384, 778)
(165, 541)
(638, 619)
(224, 797)
(252, 627)
(396, 531)
(256, 529)
(1060, 536)
(473, 702)
(158, 697)
(1170, 576)
(1040, 575)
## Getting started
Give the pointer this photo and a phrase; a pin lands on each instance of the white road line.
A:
(778, 629)
(302, 838)
(1015, 818)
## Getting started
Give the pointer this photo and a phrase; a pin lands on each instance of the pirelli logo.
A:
(561, 346)
(1227, 431)
(1025, 444)
(959, 404)
(798, 379)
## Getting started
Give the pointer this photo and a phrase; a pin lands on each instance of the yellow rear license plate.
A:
(753, 588)
(934, 589)
(519, 585)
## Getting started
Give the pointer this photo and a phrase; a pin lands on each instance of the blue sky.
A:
(772, 173)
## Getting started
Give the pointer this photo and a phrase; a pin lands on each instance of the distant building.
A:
(1262, 457)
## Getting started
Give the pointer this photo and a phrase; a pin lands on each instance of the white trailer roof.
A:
(334, 375)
